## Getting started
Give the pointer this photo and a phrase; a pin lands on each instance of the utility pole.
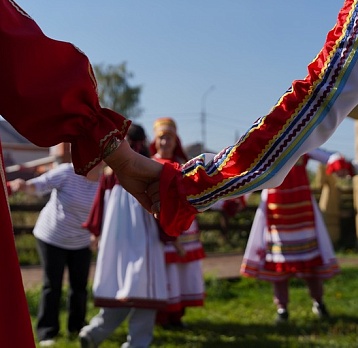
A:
(203, 117)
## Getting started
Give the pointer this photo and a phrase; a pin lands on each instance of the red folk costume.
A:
(184, 270)
(303, 119)
(48, 93)
(290, 207)
(288, 236)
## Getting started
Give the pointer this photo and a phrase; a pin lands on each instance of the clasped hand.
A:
(138, 175)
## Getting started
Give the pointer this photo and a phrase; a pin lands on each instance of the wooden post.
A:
(329, 203)
(355, 177)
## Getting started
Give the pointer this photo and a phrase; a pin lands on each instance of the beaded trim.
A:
(112, 145)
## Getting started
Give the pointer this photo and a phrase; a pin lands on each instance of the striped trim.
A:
(292, 120)
(256, 270)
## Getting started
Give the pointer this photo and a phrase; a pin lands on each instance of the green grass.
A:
(240, 313)
(26, 250)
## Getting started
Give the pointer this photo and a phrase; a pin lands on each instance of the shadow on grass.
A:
(228, 335)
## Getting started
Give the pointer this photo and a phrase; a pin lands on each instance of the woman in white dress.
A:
(130, 279)
(289, 237)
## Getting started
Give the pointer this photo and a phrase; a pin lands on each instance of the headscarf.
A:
(167, 125)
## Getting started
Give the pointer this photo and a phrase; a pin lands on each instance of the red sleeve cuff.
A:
(176, 213)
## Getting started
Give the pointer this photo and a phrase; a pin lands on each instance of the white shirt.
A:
(60, 221)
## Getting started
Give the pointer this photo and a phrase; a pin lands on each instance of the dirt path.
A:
(216, 265)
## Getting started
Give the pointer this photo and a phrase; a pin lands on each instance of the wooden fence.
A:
(25, 215)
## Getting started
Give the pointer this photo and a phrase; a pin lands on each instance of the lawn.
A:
(240, 313)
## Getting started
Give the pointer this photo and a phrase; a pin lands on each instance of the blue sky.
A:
(233, 58)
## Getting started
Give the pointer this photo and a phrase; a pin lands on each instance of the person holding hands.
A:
(48, 94)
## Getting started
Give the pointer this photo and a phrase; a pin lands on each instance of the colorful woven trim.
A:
(303, 118)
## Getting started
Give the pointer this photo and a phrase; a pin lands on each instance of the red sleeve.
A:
(302, 119)
(164, 237)
(176, 213)
(48, 91)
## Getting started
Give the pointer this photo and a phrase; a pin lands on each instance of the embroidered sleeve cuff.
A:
(176, 213)
(111, 146)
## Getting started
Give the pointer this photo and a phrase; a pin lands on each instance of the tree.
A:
(115, 92)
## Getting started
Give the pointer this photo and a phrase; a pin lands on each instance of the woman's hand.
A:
(94, 243)
(17, 185)
(137, 174)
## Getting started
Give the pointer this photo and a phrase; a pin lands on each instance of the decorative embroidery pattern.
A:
(276, 136)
